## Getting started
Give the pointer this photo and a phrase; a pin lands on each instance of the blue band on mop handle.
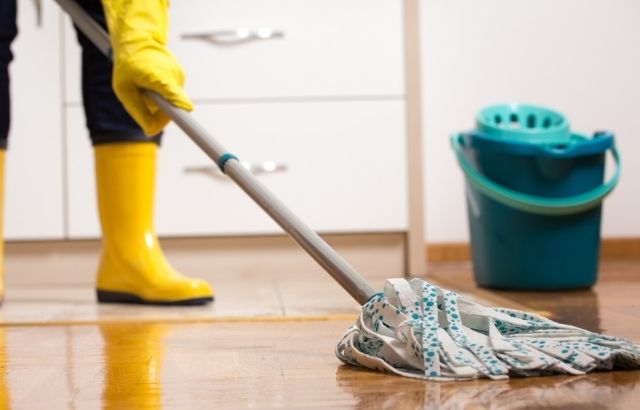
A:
(223, 160)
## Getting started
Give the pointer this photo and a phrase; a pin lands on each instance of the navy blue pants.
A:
(106, 118)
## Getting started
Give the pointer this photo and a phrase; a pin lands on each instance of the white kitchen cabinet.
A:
(81, 192)
(344, 170)
(282, 48)
(324, 100)
(320, 90)
(34, 180)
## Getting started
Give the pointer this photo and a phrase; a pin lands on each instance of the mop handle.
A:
(315, 246)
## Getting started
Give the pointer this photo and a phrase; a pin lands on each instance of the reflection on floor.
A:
(223, 365)
(80, 355)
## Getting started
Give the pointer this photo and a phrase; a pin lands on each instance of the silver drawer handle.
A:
(256, 168)
(235, 37)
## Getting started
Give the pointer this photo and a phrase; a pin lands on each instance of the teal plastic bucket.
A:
(534, 208)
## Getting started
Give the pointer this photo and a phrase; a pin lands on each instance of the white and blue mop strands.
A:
(416, 329)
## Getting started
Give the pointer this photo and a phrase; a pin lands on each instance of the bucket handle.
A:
(531, 203)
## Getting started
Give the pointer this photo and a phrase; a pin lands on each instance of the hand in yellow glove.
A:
(138, 31)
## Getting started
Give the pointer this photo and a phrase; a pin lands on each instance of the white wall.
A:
(581, 57)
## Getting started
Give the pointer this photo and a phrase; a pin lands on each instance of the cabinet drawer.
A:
(315, 48)
(345, 170)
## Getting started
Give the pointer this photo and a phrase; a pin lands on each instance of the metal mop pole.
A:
(315, 246)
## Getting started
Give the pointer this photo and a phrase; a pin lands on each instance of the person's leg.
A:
(132, 268)
(107, 120)
(8, 32)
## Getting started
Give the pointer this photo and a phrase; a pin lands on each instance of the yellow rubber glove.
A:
(138, 31)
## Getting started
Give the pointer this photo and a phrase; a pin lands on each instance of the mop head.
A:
(419, 330)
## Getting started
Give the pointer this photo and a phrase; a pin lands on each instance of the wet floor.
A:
(157, 358)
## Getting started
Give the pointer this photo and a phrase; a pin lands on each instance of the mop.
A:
(414, 328)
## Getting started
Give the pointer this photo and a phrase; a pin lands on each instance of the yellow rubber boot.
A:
(133, 268)
(2, 152)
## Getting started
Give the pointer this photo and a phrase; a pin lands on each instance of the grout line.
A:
(69, 363)
(180, 321)
(283, 309)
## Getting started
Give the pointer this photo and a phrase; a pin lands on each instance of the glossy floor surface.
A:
(269, 277)
(134, 357)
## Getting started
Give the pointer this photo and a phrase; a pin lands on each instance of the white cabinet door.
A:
(345, 169)
(81, 188)
(34, 174)
(317, 48)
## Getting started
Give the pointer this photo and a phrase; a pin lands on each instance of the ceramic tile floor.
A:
(54, 283)
(251, 295)
(59, 349)
(234, 301)
(263, 277)
(256, 296)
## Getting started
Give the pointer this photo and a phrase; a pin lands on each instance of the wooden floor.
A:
(257, 349)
